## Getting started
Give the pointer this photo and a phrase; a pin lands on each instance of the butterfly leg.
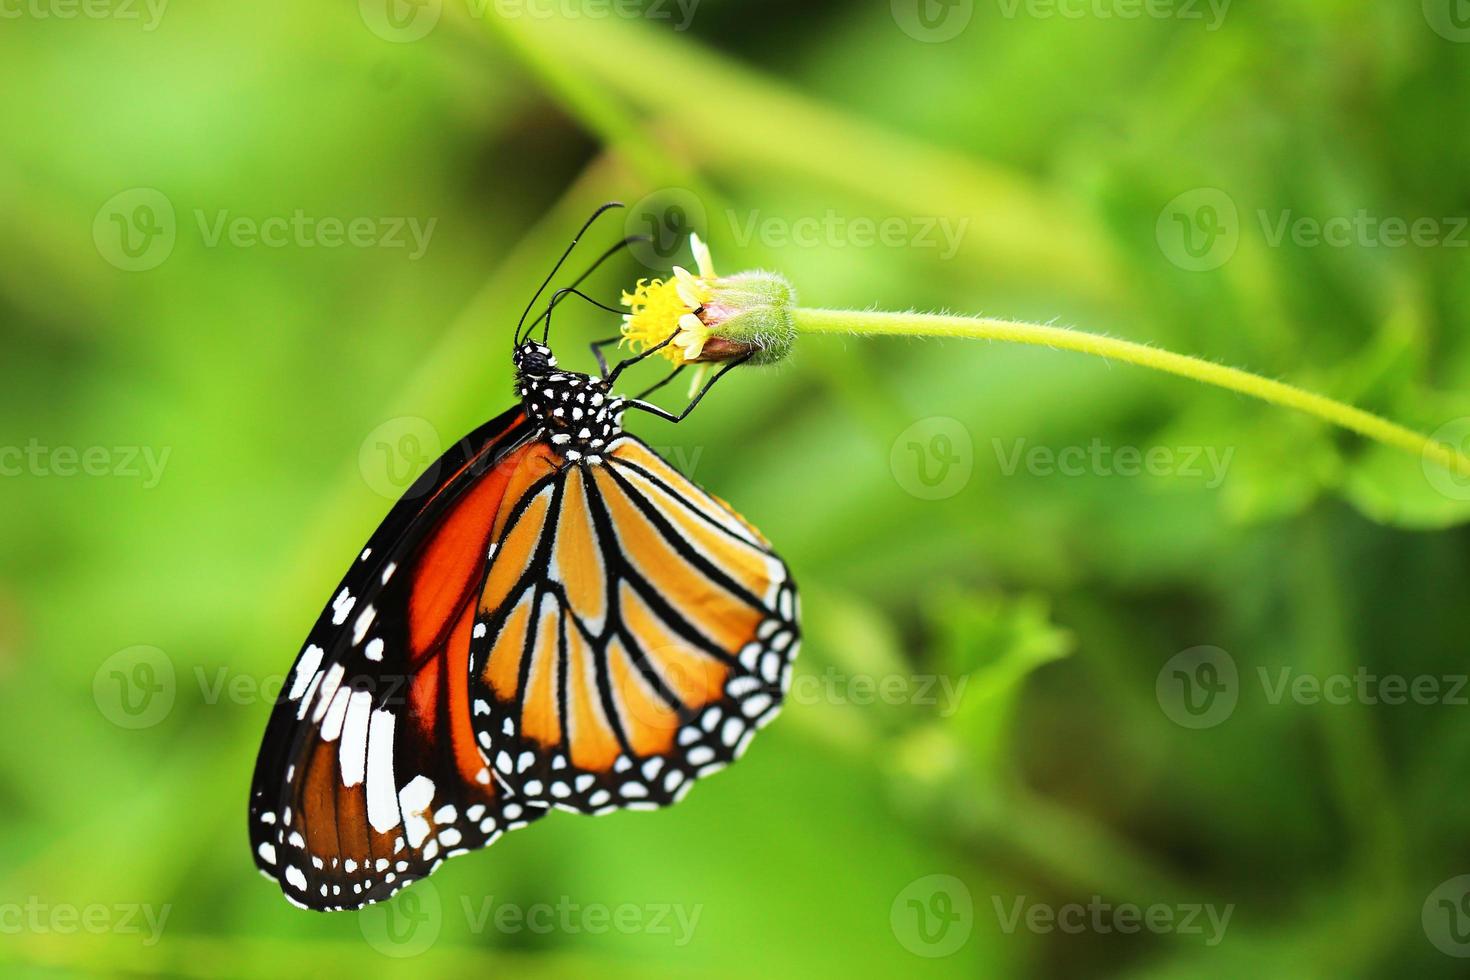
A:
(597, 346)
(629, 362)
(659, 384)
(670, 416)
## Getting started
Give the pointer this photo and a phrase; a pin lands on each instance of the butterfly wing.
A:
(369, 774)
(632, 635)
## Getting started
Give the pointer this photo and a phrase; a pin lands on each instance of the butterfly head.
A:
(533, 359)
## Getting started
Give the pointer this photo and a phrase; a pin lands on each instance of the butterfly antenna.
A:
(561, 261)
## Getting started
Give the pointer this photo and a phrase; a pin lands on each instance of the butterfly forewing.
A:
(369, 774)
(632, 634)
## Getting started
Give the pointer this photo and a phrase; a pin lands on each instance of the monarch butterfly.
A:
(551, 617)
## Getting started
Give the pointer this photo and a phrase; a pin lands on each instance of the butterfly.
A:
(552, 617)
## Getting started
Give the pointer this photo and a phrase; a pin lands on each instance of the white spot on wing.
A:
(309, 696)
(353, 751)
(382, 804)
(341, 606)
(336, 714)
(414, 800)
(306, 667)
(326, 692)
(360, 627)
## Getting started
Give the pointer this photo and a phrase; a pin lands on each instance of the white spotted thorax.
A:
(577, 413)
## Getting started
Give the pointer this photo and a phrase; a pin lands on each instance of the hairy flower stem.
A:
(1062, 338)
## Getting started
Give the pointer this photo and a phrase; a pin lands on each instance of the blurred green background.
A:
(1068, 689)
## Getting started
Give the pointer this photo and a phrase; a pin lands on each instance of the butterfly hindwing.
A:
(632, 634)
(369, 774)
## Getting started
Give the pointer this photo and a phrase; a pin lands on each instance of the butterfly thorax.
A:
(576, 413)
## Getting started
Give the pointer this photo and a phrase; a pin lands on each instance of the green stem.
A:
(1062, 338)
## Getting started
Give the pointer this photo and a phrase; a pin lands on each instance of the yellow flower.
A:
(661, 308)
(706, 318)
